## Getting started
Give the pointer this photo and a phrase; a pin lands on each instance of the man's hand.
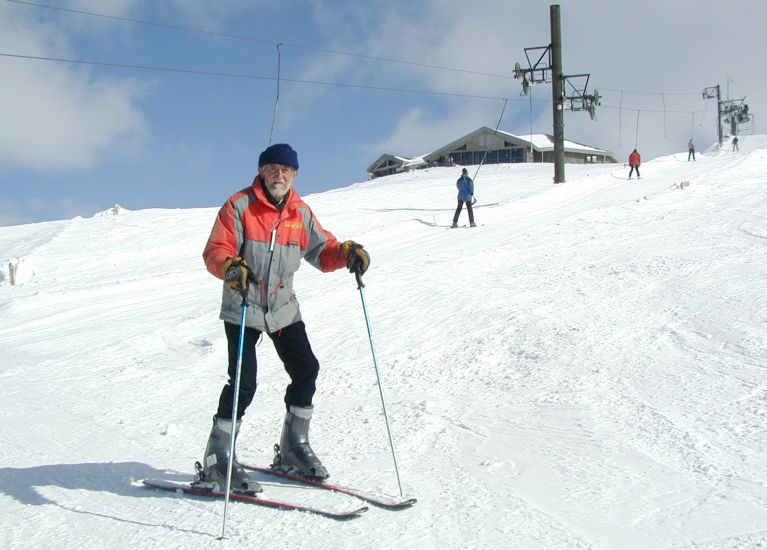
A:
(236, 273)
(357, 258)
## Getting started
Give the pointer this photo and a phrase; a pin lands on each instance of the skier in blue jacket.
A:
(465, 195)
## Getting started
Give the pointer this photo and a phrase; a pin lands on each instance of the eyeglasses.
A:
(279, 168)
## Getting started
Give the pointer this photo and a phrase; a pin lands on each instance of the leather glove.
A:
(236, 273)
(357, 258)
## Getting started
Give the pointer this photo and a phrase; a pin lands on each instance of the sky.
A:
(178, 98)
(583, 370)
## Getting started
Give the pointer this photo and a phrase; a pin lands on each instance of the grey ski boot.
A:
(212, 474)
(294, 454)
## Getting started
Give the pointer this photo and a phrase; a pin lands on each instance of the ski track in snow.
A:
(586, 369)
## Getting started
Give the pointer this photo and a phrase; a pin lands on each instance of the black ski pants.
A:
(468, 209)
(634, 167)
(292, 346)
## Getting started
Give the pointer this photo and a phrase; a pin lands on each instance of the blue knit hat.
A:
(279, 153)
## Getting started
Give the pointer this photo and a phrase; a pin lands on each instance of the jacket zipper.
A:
(272, 242)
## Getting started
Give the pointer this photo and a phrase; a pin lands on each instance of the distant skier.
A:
(690, 150)
(634, 161)
(735, 143)
(260, 235)
(465, 195)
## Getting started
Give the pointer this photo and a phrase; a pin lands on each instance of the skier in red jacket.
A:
(258, 240)
(634, 161)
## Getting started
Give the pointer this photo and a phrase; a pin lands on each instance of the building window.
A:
(463, 158)
(495, 156)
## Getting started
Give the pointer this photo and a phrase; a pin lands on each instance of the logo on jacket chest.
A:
(291, 232)
(292, 225)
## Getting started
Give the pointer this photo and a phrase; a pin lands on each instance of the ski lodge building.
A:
(500, 147)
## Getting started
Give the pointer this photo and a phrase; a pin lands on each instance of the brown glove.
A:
(357, 258)
(236, 273)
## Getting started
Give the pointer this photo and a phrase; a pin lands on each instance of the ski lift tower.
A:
(551, 71)
(557, 95)
(713, 92)
(732, 111)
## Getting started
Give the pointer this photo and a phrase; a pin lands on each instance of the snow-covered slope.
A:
(586, 369)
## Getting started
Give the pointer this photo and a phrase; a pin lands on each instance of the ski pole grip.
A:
(358, 276)
(249, 278)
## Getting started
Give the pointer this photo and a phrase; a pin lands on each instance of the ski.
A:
(252, 499)
(381, 501)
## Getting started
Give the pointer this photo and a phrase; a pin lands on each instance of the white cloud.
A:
(418, 132)
(58, 116)
(302, 98)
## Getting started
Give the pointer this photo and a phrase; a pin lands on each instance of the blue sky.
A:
(77, 138)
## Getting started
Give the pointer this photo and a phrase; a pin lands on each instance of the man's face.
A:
(278, 178)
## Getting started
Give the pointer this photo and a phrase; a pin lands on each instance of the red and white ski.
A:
(252, 499)
(382, 501)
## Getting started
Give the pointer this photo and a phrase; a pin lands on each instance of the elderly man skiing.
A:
(257, 242)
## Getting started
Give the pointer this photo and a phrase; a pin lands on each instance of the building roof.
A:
(538, 142)
(398, 160)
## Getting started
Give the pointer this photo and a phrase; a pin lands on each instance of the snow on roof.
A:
(404, 161)
(411, 161)
(545, 142)
(538, 142)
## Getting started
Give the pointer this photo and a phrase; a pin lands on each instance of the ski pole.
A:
(360, 286)
(235, 400)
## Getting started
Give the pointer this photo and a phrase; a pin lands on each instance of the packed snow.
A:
(585, 369)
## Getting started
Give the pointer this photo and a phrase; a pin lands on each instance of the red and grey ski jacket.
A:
(634, 159)
(272, 242)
